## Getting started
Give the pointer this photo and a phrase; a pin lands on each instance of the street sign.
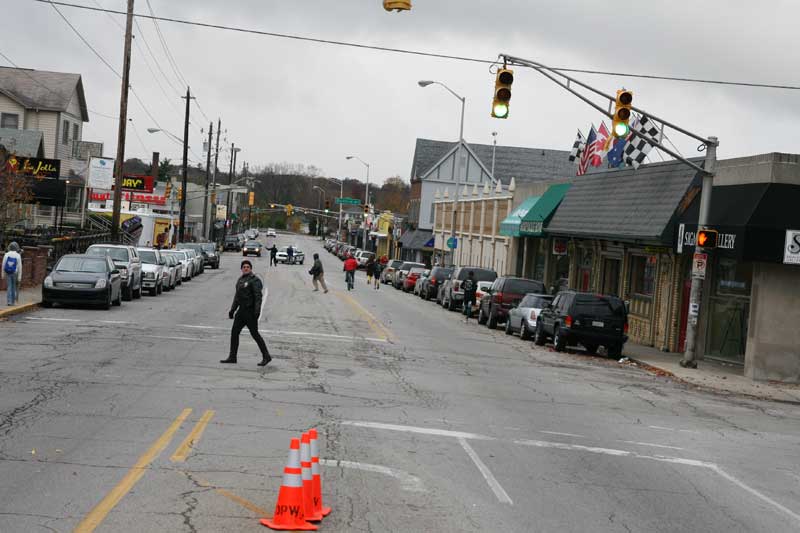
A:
(452, 242)
(699, 266)
(348, 201)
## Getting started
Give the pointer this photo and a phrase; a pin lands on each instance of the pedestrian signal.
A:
(622, 113)
(397, 5)
(168, 189)
(180, 194)
(707, 238)
(502, 92)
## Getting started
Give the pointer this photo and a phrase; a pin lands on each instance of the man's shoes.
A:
(314, 290)
(326, 291)
(231, 360)
(265, 359)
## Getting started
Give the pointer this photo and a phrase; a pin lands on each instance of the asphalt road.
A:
(426, 423)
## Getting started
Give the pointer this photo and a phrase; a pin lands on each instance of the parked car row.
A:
(342, 250)
(107, 274)
(522, 305)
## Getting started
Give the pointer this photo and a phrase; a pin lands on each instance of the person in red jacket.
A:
(350, 266)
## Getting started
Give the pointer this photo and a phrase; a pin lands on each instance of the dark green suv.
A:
(592, 320)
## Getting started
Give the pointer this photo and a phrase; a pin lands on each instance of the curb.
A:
(5, 313)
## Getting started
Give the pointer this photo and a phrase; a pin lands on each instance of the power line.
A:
(428, 54)
(170, 58)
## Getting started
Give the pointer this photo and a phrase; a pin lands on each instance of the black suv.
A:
(232, 242)
(581, 317)
(504, 294)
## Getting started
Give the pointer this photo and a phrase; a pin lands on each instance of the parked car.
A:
(186, 261)
(410, 279)
(505, 293)
(435, 279)
(402, 271)
(453, 296)
(127, 262)
(178, 264)
(152, 270)
(232, 243)
(252, 247)
(483, 289)
(282, 257)
(522, 319)
(197, 257)
(363, 257)
(420, 282)
(210, 254)
(592, 320)
(82, 279)
(171, 276)
(387, 275)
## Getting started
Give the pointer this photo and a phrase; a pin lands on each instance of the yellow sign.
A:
(252, 199)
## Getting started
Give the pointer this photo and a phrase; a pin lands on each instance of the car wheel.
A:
(108, 302)
(614, 351)
(559, 342)
(303, 261)
(153, 292)
(524, 332)
(138, 292)
(46, 304)
(118, 301)
(538, 335)
(491, 323)
(481, 316)
(509, 331)
(591, 348)
(127, 293)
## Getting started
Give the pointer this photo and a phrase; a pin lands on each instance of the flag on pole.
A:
(637, 147)
(577, 148)
(615, 154)
(600, 144)
(588, 152)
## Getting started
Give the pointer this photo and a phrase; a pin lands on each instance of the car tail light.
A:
(497, 297)
(533, 315)
(568, 321)
(625, 327)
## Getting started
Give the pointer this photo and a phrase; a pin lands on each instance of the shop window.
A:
(643, 274)
(732, 277)
(75, 132)
(9, 120)
(65, 133)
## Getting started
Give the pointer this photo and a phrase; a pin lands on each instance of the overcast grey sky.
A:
(314, 104)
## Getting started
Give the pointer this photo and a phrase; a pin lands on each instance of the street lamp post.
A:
(341, 194)
(319, 204)
(461, 157)
(366, 196)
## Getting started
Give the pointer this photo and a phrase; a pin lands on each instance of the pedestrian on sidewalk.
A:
(12, 272)
(376, 275)
(318, 274)
(273, 254)
(470, 287)
(245, 311)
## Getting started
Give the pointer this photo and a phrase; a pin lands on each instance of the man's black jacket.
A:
(248, 295)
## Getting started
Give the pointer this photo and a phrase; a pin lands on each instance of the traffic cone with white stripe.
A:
(308, 492)
(316, 475)
(289, 510)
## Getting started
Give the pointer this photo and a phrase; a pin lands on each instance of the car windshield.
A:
(481, 274)
(253, 244)
(599, 306)
(148, 257)
(82, 264)
(116, 254)
(522, 286)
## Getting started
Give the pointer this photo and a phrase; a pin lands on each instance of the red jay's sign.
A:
(133, 182)
(131, 197)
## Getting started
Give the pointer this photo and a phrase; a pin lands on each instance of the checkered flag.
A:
(577, 148)
(637, 148)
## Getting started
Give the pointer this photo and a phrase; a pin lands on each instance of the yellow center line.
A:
(374, 323)
(247, 504)
(101, 510)
(186, 446)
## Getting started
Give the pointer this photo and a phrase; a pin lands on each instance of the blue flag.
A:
(615, 155)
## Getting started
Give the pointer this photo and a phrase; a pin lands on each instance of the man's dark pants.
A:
(469, 301)
(239, 322)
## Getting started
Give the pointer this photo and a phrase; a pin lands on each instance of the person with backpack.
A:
(318, 274)
(470, 288)
(12, 271)
(350, 266)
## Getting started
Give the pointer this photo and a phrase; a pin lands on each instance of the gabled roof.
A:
(23, 143)
(426, 154)
(43, 90)
(625, 204)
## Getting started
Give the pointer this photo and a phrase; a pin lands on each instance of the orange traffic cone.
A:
(308, 491)
(316, 475)
(289, 513)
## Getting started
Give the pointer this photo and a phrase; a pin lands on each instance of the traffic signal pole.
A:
(708, 170)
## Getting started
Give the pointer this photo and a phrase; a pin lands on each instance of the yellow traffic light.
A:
(327, 205)
(251, 199)
(272, 206)
(168, 189)
(397, 5)
(289, 210)
(502, 92)
(180, 193)
(622, 113)
(707, 238)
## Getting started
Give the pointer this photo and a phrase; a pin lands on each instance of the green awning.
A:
(535, 218)
(510, 226)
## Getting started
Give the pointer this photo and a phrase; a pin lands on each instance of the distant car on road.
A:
(271, 232)
(127, 262)
(232, 243)
(252, 247)
(185, 260)
(82, 279)
(282, 257)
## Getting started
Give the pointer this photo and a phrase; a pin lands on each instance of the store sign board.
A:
(688, 238)
(791, 249)
(138, 183)
(101, 173)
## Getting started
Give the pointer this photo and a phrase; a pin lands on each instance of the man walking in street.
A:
(470, 287)
(290, 254)
(350, 267)
(273, 254)
(318, 274)
(245, 311)
(12, 271)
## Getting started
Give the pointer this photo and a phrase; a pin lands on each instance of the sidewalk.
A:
(29, 298)
(712, 375)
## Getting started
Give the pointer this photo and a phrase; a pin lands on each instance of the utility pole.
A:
(182, 217)
(696, 294)
(123, 122)
(214, 180)
(206, 232)
(228, 195)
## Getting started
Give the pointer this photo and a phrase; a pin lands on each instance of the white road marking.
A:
(756, 493)
(563, 434)
(498, 490)
(197, 327)
(113, 321)
(296, 333)
(53, 319)
(652, 444)
(661, 427)
(175, 338)
(408, 482)
(413, 429)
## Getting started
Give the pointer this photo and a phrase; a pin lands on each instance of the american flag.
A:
(600, 145)
(577, 148)
(588, 152)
